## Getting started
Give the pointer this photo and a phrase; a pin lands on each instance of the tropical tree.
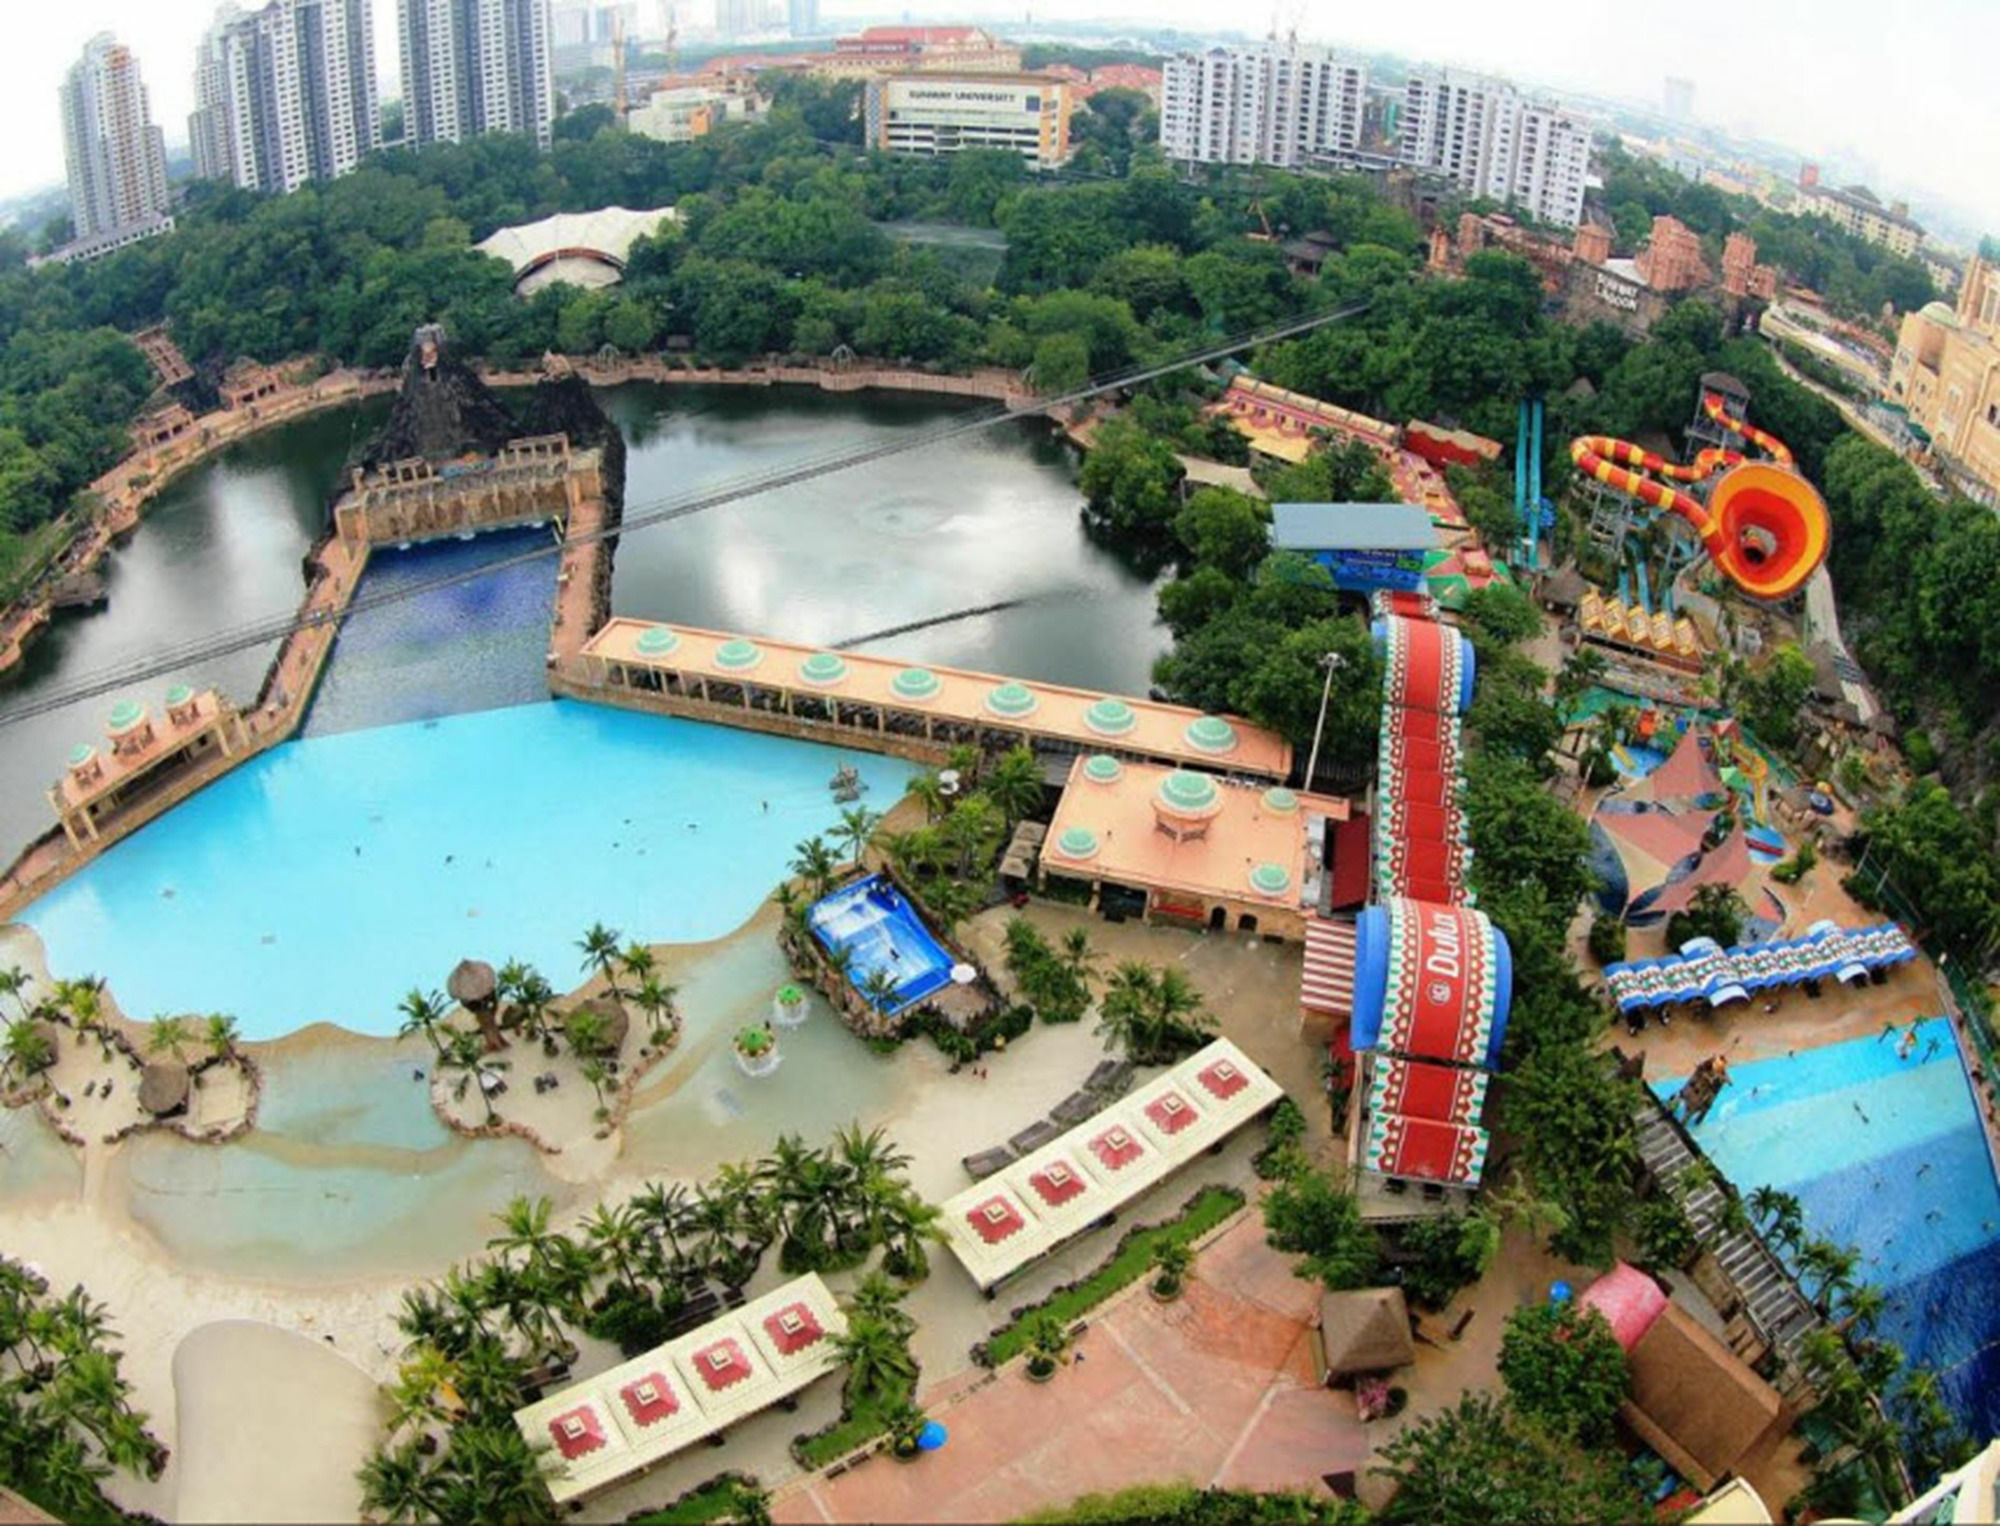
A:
(534, 1004)
(1078, 954)
(595, 1075)
(904, 1224)
(169, 1035)
(1317, 1218)
(28, 1050)
(220, 1035)
(879, 1299)
(855, 832)
(665, 1217)
(1171, 1262)
(877, 1354)
(1014, 784)
(396, 1485)
(1049, 1341)
(638, 962)
(1481, 1461)
(813, 862)
(1154, 1015)
(525, 1236)
(878, 988)
(1861, 1308)
(614, 1235)
(14, 982)
(588, 1032)
(1564, 1369)
(655, 999)
(424, 1012)
(465, 1050)
(1831, 1263)
(417, 1397)
(602, 953)
(1778, 1214)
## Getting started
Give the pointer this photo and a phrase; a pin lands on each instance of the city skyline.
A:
(1792, 74)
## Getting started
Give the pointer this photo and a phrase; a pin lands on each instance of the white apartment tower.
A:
(116, 157)
(1269, 104)
(1492, 141)
(476, 66)
(286, 94)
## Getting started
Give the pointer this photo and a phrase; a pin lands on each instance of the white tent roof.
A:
(656, 1404)
(609, 231)
(1023, 1213)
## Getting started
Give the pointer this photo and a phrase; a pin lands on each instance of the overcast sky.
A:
(1902, 89)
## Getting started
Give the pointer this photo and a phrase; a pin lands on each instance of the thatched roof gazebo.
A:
(473, 985)
(163, 1087)
(1367, 1330)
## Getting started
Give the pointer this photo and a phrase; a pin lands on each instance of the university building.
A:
(1946, 375)
(931, 114)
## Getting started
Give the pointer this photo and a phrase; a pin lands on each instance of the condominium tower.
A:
(1269, 104)
(1492, 141)
(116, 157)
(285, 94)
(476, 66)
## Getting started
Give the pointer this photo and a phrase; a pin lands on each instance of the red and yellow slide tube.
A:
(1764, 525)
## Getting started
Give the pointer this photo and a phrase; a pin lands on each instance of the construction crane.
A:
(618, 64)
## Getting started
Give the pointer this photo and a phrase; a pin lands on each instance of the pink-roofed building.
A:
(650, 1399)
(577, 1432)
(721, 1364)
(793, 1328)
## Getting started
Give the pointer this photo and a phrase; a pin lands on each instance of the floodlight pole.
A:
(1333, 662)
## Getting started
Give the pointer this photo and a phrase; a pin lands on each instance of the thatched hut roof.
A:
(1693, 1400)
(163, 1087)
(1564, 589)
(1367, 1330)
(616, 1023)
(472, 983)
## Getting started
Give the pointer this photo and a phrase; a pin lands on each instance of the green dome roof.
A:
(1077, 842)
(1011, 699)
(126, 714)
(1188, 794)
(81, 754)
(738, 654)
(1211, 734)
(1940, 312)
(179, 694)
(1270, 879)
(823, 668)
(657, 641)
(916, 683)
(1280, 801)
(1110, 717)
(1102, 768)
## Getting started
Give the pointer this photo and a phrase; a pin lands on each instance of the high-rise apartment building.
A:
(476, 66)
(1858, 210)
(1268, 104)
(1492, 141)
(116, 157)
(286, 94)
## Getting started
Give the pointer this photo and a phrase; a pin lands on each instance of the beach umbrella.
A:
(1559, 1292)
(963, 974)
(932, 1436)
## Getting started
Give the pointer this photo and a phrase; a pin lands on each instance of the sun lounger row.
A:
(1704, 971)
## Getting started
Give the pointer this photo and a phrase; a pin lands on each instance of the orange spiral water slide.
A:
(1765, 527)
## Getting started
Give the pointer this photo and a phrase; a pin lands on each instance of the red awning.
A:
(1424, 1150)
(1353, 851)
(1419, 1089)
(1417, 665)
(1328, 983)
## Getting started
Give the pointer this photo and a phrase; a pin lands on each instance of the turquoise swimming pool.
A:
(324, 879)
(1886, 1153)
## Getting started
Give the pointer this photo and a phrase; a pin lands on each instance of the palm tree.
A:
(423, 1012)
(595, 1074)
(809, 1193)
(664, 1213)
(491, 1475)
(28, 1050)
(466, 1051)
(1779, 1214)
(878, 1358)
(1861, 1307)
(1077, 952)
(1049, 1341)
(169, 1036)
(533, 1001)
(417, 1397)
(638, 961)
(601, 952)
(878, 1299)
(613, 1235)
(871, 1154)
(1832, 1264)
(856, 830)
(1171, 1261)
(928, 789)
(525, 1232)
(903, 1226)
(1014, 784)
(879, 990)
(813, 862)
(14, 982)
(221, 1035)
(587, 1032)
(82, 1000)
(656, 1000)
(396, 1485)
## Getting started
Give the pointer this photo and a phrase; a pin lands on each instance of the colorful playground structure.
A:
(1705, 971)
(1763, 525)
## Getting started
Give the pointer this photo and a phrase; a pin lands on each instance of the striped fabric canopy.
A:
(1705, 972)
(1422, 1149)
(1328, 983)
(1416, 604)
(1419, 1089)
(1432, 982)
(1429, 665)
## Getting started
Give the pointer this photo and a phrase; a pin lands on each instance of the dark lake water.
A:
(976, 521)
